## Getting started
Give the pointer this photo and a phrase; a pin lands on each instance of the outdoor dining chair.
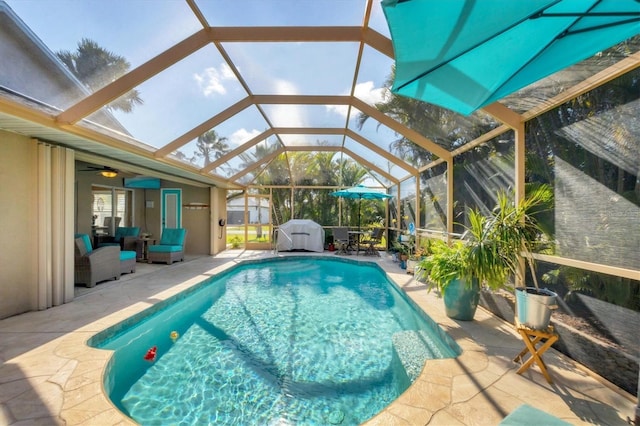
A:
(341, 239)
(372, 241)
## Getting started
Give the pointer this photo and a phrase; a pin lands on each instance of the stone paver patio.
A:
(50, 376)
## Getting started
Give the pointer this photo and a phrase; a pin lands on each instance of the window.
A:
(112, 207)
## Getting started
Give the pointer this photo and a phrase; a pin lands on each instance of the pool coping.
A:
(45, 356)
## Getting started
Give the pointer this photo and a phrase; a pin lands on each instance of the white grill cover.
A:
(300, 234)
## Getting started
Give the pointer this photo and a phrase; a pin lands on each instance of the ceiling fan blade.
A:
(98, 169)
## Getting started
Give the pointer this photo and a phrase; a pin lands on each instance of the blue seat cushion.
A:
(172, 237)
(126, 231)
(164, 248)
(127, 255)
(526, 415)
(86, 240)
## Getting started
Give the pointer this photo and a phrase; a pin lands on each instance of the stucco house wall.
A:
(18, 225)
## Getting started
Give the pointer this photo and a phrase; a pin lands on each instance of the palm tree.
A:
(255, 154)
(96, 67)
(351, 174)
(211, 146)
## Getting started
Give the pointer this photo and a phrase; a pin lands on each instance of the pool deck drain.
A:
(50, 376)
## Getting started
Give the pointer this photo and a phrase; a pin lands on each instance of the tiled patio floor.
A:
(49, 376)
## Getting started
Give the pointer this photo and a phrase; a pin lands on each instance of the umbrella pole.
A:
(358, 234)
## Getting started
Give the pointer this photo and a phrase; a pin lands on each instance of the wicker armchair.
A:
(170, 248)
(126, 237)
(93, 266)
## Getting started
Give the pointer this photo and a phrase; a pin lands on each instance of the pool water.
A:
(293, 341)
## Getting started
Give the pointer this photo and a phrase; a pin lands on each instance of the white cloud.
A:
(338, 109)
(368, 93)
(285, 115)
(365, 92)
(284, 87)
(211, 79)
(242, 135)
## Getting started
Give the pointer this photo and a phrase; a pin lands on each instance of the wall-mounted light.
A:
(109, 173)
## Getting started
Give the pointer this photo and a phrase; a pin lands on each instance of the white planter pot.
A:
(533, 307)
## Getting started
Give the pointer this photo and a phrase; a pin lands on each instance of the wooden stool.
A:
(532, 338)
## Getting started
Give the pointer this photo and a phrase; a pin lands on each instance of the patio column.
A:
(449, 198)
(519, 184)
(398, 212)
(218, 237)
(43, 235)
(418, 224)
(516, 122)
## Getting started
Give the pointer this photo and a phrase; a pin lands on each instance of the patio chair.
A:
(92, 266)
(107, 222)
(374, 239)
(95, 265)
(126, 237)
(170, 248)
(341, 239)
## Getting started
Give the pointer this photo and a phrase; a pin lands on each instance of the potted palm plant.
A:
(516, 231)
(458, 269)
(493, 247)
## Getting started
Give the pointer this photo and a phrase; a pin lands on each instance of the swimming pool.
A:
(290, 340)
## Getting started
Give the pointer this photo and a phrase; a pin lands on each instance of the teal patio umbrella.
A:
(465, 54)
(361, 192)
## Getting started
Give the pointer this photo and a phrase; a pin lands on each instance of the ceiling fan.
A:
(106, 171)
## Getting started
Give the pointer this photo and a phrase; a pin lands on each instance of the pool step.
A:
(413, 348)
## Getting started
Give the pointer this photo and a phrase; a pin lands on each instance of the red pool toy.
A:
(151, 354)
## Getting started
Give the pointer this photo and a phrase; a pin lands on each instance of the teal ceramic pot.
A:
(461, 300)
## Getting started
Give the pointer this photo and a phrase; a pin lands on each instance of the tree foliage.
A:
(446, 128)
(306, 170)
(96, 67)
(211, 146)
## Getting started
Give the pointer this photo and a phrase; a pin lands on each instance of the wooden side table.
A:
(531, 339)
(145, 248)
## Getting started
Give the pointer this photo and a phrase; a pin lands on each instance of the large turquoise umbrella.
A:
(465, 54)
(361, 192)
